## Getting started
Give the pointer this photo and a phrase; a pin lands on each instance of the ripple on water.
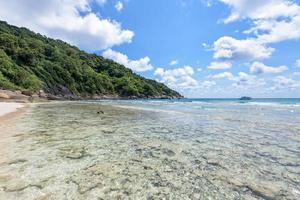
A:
(74, 151)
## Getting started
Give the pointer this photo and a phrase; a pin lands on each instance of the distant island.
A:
(245, 98)
(34, 65)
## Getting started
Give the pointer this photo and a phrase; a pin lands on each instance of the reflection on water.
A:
(86, 150)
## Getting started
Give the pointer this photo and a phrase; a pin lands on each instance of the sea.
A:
(154, 149)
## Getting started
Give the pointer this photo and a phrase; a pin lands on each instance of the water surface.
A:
(187, 149)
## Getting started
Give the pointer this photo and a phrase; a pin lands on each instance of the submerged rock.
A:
(74, 153)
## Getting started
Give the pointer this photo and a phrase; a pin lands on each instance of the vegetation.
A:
(32, 62)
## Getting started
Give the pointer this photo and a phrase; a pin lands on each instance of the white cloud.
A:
(226, 75)
(208, 84)
(179, 78)
(69, 20)
(219, 65)
(244, 80)
(282, 82)
(187, 82)
(241, 80)
(140, 65)
(233, 49)
(174, 62)
(243, 77)
(184, 71)
(258, 9)
(260, 68)
(207, 3)
(182, 79)
(273, 20)
(206, 46)
(101, 2)
(296, 73)
(277, 31)
(159, 72)
(119, 6)
(297, 63)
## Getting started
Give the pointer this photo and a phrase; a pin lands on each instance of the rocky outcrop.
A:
(67, 95)
(17, 95)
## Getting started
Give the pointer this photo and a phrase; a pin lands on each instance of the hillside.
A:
(34, 64)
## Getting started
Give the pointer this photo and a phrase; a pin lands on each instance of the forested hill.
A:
(31, 62)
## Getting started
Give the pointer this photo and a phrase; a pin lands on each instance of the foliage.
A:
(30, 61)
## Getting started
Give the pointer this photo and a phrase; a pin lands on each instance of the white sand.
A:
(6, 107)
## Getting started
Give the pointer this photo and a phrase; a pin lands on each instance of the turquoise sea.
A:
(155, 149)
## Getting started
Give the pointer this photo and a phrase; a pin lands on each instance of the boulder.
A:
(4, 96)
(42, 94)
(7, 94)
(27, 93)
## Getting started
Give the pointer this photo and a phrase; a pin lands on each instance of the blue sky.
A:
(202, 48)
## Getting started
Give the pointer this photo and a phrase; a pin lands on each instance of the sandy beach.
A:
(9, 107)
(9, 112)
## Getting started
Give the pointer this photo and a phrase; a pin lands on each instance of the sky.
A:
(201, 48)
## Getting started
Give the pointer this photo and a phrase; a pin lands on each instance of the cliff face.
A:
(37, 65)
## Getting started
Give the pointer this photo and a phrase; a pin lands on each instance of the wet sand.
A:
(9, 107)
(9, 114)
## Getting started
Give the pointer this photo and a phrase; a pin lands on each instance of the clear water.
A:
(186, 149)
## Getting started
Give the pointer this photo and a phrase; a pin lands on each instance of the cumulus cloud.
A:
(277, 31)
(219, 65)
(206, 46)
(240, 80)
(179, 78)
(257, 9)
(101, 2)
(272, 21)
(174, 62)
(296, 73)
(208, 84)
(69, 20)
(119, 6)
(184, 71)
(187, 82)
(260, 68)
(226, 75)
(244, 80)
(297, 63)
(140, 65)
(282, 82)
(233, 49)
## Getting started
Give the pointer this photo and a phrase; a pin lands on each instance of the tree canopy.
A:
(33, 62)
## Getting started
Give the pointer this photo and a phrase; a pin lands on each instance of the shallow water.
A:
(154, 150)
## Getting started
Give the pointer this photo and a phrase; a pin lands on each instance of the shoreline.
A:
(7, 108)
(8, 95)
(8, 122)
(83, 153)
